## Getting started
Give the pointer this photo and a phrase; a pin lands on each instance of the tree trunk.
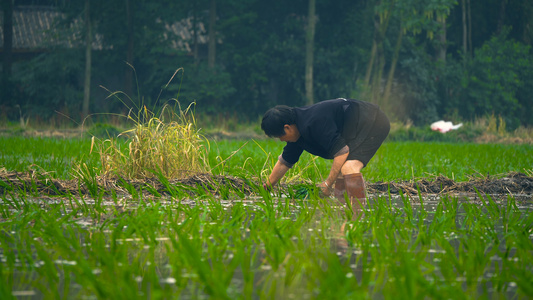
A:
(527, 34)
(469, 17)
(374, 71)
(211, 51)
(8, 41)
(371, 62)
(501, 19)
(394, 62)
(129, 51)
(378, 74)
(441, 53)
(195, 32)
(309, 57)
(465, 28)
(88, 56)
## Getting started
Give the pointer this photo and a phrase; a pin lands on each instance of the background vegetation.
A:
(420, 60)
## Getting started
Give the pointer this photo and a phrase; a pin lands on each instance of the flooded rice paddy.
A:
(431, 246)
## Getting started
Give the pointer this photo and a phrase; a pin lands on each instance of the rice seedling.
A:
(215, 240)
(88, 177)
(273, 249)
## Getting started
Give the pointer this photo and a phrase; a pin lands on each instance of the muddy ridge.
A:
(510, 183)
(33, 182)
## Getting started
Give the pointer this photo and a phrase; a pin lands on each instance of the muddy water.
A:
(339, 246)
(429, 204)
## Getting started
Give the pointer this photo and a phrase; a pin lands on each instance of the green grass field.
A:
(394, 160)
(136, 247)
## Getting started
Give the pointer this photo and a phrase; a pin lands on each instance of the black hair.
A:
(276, 118)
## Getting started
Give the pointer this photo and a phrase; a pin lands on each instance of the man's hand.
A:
(267, 187)
(277, 173)
(325, 189)
(336, 167)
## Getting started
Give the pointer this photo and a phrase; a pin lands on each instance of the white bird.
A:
(444, 126)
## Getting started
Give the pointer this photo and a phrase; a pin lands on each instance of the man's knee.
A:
(352, 166)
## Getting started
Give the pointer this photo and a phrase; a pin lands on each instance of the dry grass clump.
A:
(173, 149)
(494, 130)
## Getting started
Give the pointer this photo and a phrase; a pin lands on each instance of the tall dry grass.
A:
(169, 144)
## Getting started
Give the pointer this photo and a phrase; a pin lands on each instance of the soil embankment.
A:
(511, 183)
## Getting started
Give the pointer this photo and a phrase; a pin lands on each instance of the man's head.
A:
(279, 121)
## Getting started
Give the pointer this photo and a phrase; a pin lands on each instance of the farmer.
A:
(347, 131)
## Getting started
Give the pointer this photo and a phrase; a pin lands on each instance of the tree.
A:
(309, 49)
(8, 46)
(495, 77)
(195, 31)
(410, 16)
(211, 52)
(264, 51)
(88, 58)
(267, 55)
(465, 30)
(130, 48)
(501, 19)
(374, 71)
(442, 47)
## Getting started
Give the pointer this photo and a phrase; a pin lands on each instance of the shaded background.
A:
(420, 60)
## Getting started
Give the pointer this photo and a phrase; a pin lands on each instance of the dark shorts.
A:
(366, 150)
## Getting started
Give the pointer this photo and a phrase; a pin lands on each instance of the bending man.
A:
(347, 131)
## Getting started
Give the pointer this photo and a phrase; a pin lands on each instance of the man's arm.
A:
(338, 162)
(277, 173)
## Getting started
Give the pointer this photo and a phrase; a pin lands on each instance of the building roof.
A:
(31, 26)
(185, 33)
(34, 30)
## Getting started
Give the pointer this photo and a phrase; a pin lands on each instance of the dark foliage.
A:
(260, 59)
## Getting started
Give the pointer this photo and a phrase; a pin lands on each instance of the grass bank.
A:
(394, 160)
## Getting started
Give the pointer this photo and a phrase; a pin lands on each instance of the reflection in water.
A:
(275, 256)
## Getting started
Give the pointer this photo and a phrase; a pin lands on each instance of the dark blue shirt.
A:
(325, 126)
